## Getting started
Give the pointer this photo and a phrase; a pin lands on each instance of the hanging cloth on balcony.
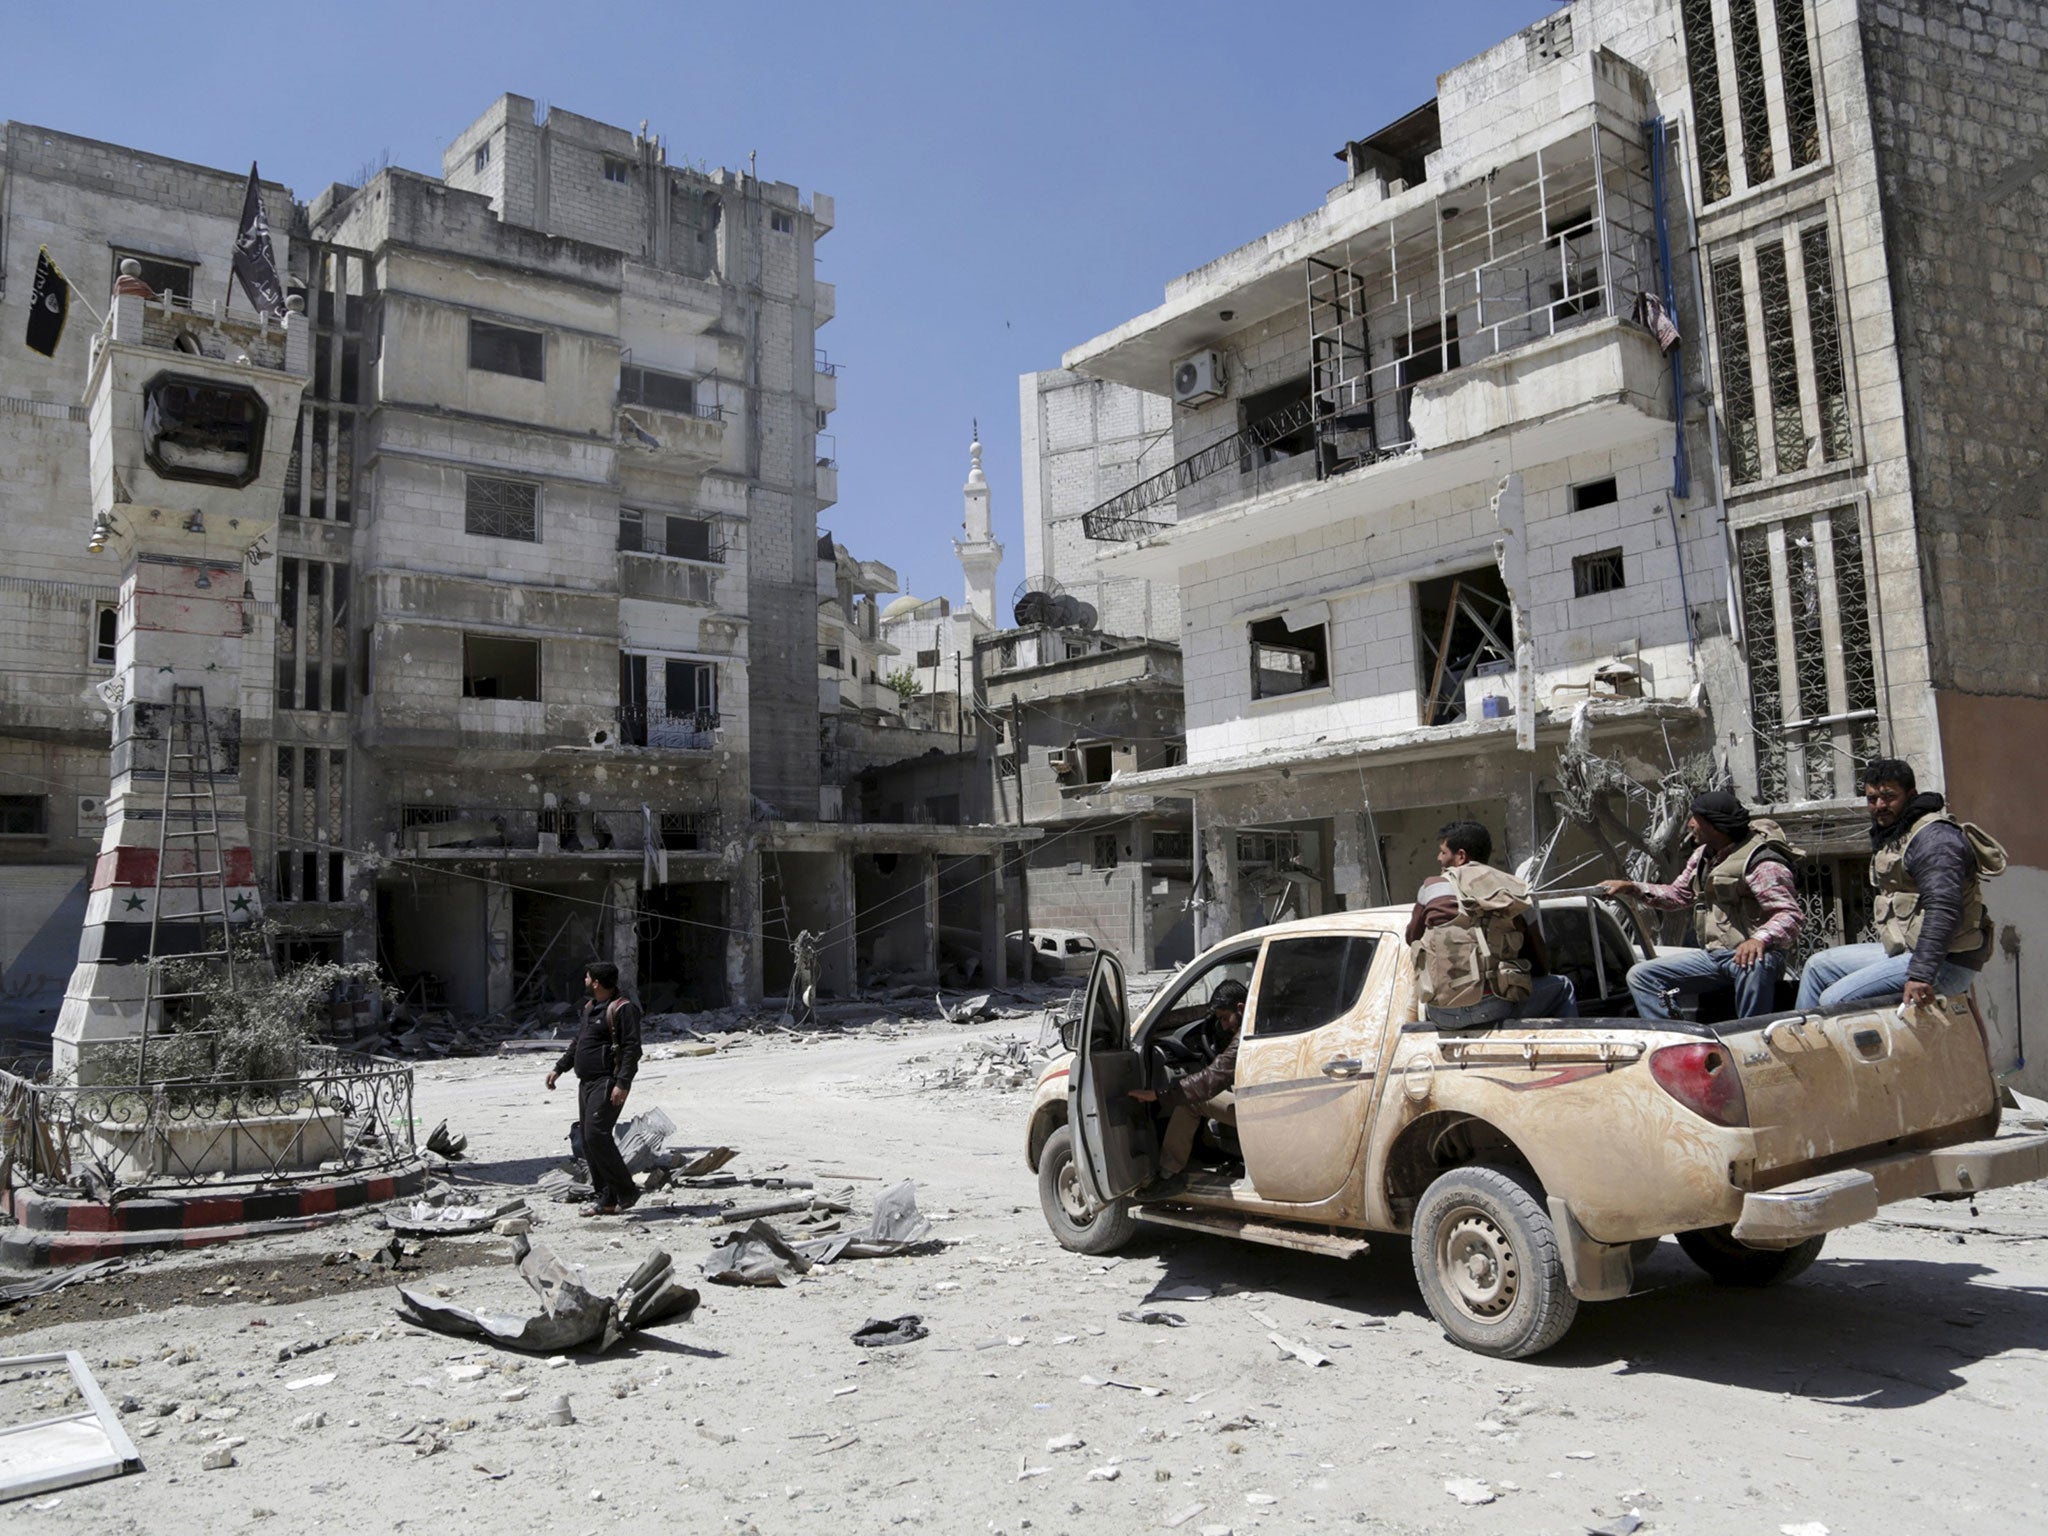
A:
(1651, 314)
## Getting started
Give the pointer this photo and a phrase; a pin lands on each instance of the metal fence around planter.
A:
(343, 1114)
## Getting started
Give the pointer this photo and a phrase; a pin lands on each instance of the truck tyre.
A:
(1488, 1263)
(1066, 1207)
(1731, 1262)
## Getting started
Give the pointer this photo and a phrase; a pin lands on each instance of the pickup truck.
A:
(1530, 1162)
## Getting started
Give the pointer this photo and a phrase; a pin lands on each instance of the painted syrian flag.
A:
(49, 305)
(255, 263)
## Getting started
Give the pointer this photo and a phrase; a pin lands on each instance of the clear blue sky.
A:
(1011, 180)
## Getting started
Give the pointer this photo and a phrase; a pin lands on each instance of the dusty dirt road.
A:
(1898, 1388)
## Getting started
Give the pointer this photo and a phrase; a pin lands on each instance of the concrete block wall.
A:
(1367, 571)
(1085, 440)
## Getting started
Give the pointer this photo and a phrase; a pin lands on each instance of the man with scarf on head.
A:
(1934, 935)
(1746, 911)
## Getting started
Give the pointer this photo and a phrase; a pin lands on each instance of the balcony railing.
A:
(686, 730)
(619, 830)
(1563, 236)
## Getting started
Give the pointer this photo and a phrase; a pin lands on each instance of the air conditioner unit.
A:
(1197, 378)
(92, 813)
(1060, 761)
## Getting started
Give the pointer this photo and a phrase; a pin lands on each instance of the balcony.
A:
(686, 730)
(824, 303)
(614, 833)
(1437, 326)
(670, 420)
(669, 578)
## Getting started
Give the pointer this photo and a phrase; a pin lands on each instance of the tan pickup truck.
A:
(1528, 1160)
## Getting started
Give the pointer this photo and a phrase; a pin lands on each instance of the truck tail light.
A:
(1701, 1076)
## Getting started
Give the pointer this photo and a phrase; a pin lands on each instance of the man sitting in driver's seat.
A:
(1205, 1092)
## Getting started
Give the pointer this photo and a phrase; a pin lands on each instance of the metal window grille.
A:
(1173, 846)
(689, 831)
(1738, 394)
(1824, 333)
(1812, 667)
(312, 635)
(1105, 850)
(24, 815)
(1596, 573)
(1781, 359)
(1752, 99)
(1795, 68)
(309, 818)
(502, 509)
(1703, 65)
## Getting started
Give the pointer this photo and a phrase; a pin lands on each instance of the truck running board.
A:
(1252, 1229)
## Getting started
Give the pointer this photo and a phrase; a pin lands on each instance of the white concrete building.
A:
(1437, 486)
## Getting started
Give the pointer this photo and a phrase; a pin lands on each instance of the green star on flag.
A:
(240, 903)
(133, 903)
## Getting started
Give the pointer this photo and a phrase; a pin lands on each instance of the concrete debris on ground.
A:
(758, 1254)
(1002, 1061)
(572, 1316)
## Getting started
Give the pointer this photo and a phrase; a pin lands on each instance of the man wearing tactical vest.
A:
(1739, 884)
(1477, 957)
(1933, 932)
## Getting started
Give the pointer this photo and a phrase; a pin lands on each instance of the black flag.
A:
(255, 265)
(49, 304)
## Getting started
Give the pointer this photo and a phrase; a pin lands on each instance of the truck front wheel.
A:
(1733, 1262)
(1066, 1207)
(1488, 1263)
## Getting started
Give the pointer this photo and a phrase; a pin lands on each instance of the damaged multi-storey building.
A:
(533, 665)
(1660, 388)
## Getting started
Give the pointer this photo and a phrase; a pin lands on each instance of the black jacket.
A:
(1942, 865)
(606, 1047)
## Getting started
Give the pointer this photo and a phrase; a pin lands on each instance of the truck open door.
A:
(1115, 1147)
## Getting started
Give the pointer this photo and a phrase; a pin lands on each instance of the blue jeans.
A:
(1858, 971)
(1696, 971)
(1550, 997)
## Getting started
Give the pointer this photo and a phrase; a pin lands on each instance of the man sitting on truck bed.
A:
(1934, 934)
(1746, 912)
(1478, 959)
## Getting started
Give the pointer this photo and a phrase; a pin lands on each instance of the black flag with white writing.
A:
(255, 265)
(49, 305)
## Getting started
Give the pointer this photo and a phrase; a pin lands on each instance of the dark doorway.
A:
(682, 947)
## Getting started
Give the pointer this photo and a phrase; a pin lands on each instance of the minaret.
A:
(979, 553)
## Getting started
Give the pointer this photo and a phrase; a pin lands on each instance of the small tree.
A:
(254, 1029)
(905, 682)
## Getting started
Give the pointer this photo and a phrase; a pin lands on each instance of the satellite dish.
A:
(1085, 616)
(1032, 602)
(1065, 611)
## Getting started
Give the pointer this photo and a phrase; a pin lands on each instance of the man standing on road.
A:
(1933, 931)
(1739, 881)
(1478, 958)
(605, 1055)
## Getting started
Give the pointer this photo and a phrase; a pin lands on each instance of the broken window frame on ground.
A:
(1814, 687)
(70, 1463)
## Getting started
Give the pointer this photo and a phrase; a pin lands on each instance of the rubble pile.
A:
(1002, 1062)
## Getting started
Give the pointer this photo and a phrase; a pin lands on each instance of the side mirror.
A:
(1070, 1034)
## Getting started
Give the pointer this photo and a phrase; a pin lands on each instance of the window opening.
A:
(1431, 350)
(1738, 394)
(692, 688)
(1465, 627)
(671, 392)
(1594, 493)
(1752, 100)
(507, 349)
(1824, 334)
(1271, 444)
(1287, 660)
(781, 223)
(1309, 982)
(614, 170)
(927, 658)
(1781, 359)
(1096, 763)
(161, 273)
(498, 667)
(501, 509)
(1173, 847)
(1795, 63)
(106, 619)
(1596, 573)
(24, 815)
(1105, 850)
(483, 154)
(1703, 66)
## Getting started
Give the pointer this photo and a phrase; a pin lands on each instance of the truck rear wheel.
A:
(1733, 1262)
(1066, 1206)
(1488, 1263)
